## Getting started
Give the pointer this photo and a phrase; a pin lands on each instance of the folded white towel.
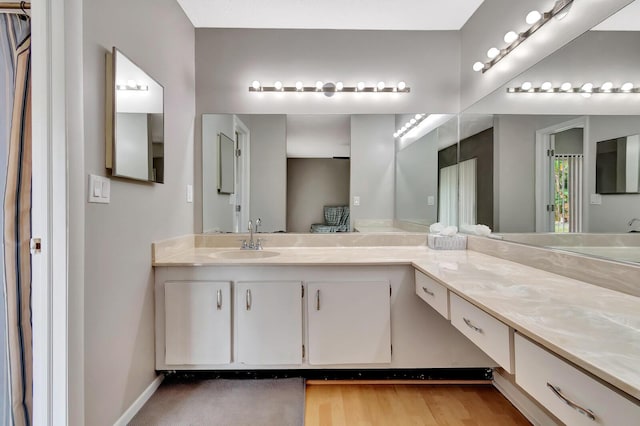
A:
(436, 228)
(449, 231)
(482, 230)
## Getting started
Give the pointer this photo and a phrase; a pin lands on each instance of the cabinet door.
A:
(197, 322)
(269, 323)
(349, 323)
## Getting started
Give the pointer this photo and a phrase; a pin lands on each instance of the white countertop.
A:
(595, 328)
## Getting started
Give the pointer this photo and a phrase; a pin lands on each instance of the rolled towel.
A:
(483, 230)
(449, 231)
(436, 228)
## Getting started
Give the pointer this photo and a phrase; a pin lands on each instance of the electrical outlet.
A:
(356, 200)
(596, 199)
(189, 193)
(431, 200)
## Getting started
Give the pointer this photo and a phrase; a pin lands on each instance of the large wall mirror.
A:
(565, 165)
(329, 173)
(134, 121)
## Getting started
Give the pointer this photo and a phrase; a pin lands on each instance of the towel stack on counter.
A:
(442, 237)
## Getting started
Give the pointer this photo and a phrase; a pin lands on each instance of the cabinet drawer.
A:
(586, 401)
(489, 334)
(435, 294)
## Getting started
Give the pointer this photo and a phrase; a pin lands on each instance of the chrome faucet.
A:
(252, 245)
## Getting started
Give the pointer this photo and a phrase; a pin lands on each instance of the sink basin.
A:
(244, 254)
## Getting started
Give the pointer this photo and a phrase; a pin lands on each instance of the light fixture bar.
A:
(559, 9)
(573, 90)
(409, 125)
(331, 89)
(138, 87)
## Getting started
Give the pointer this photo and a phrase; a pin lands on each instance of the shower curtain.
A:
(16, 395)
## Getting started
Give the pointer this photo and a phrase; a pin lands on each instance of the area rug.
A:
(278, 402)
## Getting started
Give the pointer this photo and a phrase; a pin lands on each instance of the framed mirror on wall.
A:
(134, 121)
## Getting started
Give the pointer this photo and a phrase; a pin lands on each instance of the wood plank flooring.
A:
(373, 405)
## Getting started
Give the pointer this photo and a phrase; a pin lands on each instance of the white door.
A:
(269, 323)
(349, 323)
(197, 322)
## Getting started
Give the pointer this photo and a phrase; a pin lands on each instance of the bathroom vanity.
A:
(388, 301)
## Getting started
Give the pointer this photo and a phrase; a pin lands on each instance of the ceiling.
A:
(331, 14)
(627, 19)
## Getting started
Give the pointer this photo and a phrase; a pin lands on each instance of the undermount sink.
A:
(245, 254)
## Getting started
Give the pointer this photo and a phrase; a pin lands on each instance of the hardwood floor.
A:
(360, 405)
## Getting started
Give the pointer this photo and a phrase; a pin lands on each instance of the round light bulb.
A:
(587, 87)
(510, 37)
(255, 84)
(607, 86)
(402, 85)
(493, 52)
(360, 85)
(132, 84)
(418, 116)
(339, 86)
(319, 85)
(526, 86)
(546, 86)
(412, 121)
(395, 135)
(565, 87)
(278, 85)
(380, 85)
(533, 17)
(299, 85)
(627, 87)
(478, 66)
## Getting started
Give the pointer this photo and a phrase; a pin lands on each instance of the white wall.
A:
(616, 210)
(416, 179)
(318, 136)
(514, 169)
(228, 60)
(268, 170)
(118, 277)
(132, 153)
(217, 212)
(372, 166)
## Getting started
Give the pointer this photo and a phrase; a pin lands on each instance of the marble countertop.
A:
(595, 328)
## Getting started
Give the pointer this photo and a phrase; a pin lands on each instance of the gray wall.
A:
(514, 170)
(118, 277)
(372, 166)
(217, 212)
(616, 210)
(268, 195)
(313, 183)
(416, 179)
(570, 141)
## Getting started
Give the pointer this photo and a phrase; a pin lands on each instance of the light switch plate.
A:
(596, 199)
(431, 200)
(189, 193)
(99, 189)
(356, 200)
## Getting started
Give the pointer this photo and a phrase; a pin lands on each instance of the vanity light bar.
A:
(417, 119)
(330, 87)
(586, 89)
(534, 18)
(131, 85)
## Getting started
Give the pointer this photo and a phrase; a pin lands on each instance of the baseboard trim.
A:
(398, 382)
(522, 402)
(128, 415)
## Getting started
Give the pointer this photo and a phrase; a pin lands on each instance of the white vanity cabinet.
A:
(349, 322)
(197, 322)
(268, 319)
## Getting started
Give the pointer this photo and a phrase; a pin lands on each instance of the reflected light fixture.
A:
(535, 20)
(586, 89)
(410, 124)
(132, 85)
(329, 88)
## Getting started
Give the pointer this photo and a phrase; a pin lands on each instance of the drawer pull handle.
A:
(584, 411)
(470, 325)
(430, 293)
(248, 300)
(219, 299)
(317, 300)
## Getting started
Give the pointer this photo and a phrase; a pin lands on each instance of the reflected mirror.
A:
(226, 164)
(135, 121)
(565, 166)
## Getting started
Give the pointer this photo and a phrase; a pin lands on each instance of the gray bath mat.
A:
(225, 403)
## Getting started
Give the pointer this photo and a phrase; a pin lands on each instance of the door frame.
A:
(542, 177)
(243, 174)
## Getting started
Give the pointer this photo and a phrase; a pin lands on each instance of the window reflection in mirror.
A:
(135, 121)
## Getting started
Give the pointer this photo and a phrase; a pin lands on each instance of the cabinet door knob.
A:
(219, 299)
(317, 300)
(248, 300)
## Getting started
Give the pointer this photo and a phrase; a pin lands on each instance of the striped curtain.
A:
(448, 196)
(568, 197)
(16, 395)
(468, 192)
